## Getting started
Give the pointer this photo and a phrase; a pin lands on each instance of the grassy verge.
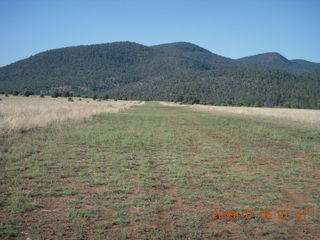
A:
(158, 172)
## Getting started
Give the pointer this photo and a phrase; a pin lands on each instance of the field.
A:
(23, 113)
(159, 172)
(305, 118)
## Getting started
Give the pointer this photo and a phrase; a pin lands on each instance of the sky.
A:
(231, 28)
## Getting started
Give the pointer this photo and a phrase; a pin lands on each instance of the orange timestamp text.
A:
(262, 214)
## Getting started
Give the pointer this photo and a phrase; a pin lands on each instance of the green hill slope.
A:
(93, 68)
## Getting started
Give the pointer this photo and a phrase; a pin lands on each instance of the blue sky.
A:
(230, 28)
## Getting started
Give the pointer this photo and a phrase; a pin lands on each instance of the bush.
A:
(179, 98)
(191, 100)
(65, 94)
(15, 93)
(27, 93)
(105, 97)
(295, 105)
(287, 105)
(94, 96)
(42, 95)
(55, 94)
(70, 99)
(258, 104)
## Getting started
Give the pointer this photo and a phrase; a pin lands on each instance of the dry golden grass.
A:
(299, 117)
(23, 113)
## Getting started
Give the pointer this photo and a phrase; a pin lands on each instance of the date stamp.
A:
(300, 214)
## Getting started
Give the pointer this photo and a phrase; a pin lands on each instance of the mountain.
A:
(168, 71)
(92, 68)
(195, 52)
(306, 65)
(275, 60)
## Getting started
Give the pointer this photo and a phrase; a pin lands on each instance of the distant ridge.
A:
(277, 61)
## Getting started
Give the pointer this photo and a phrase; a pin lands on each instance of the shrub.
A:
(295, 105)
(287, 105)
(94, 96)
(105, 97)
(191, 100)
(179, 98)
(55, 94)
(65, 94)
(42, 95)
(27, 93)
(15, 93)
(258, 104)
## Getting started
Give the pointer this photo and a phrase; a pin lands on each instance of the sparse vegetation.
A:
(20, 113)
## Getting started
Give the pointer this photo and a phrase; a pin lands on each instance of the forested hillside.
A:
(276, 61)
(243, 87)
(94, 68)
(195, 52)
(178, 71)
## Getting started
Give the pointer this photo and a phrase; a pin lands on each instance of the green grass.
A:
(74, 213)
(157, 172)
(9, 228)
